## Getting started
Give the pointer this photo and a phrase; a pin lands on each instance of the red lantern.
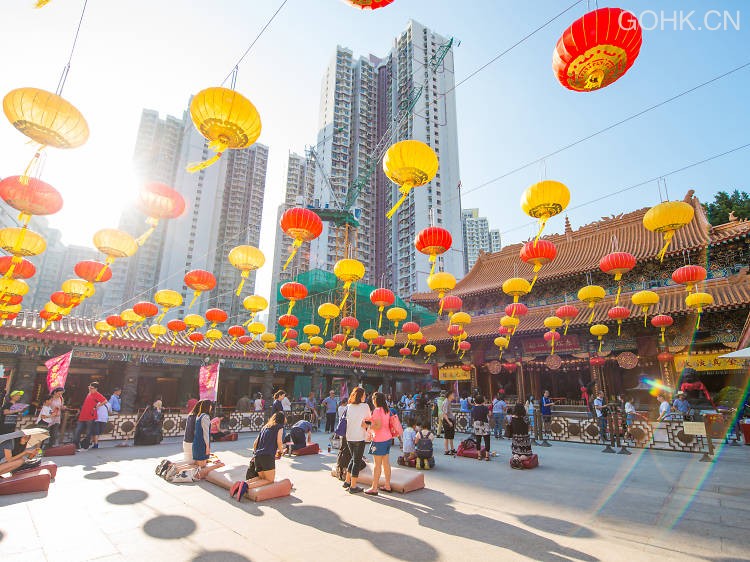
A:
(451, 304)
(509, 367)
(689, 275)
(30, 196)
(463, 347)
(7, 316)
(404, 352)
(466, 367)
(567, 312)
(235, 332)
(314, 349)
(662, 321)
(433, 241)
(597, 361)
(330, 345)
(356, 354)
(196, 338)
(12, 299)
(158, 201)
(22, 269)
(618, 313)
(301, 224)
(63, 300)
(293, 292)
(290, 345)
(363, 346)
(116, 321)
(176, 326)
(504, 331)
(244, 341)
(93, 271)
(145, 309)
(289, 334)
(597, 49)
(538, 253)
(349, 324)
(516, 309)
(199, 280)
(410, 328)
(617, 264)
(49, 317)
(382, 298)
(665, 357)
(369, 4)
(379, 341)
(551, 338)
(454, 330)
(338, 338)
(217, 316)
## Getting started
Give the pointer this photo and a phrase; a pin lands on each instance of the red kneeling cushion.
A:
(24, 482)
(230, 437)
(60, 450)
(48, 465)
(468, 453)
(531, 462)
(312, 449)
(276, 490)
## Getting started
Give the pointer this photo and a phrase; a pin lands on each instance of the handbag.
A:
(394, 424)
(341, 427)
(252, 471)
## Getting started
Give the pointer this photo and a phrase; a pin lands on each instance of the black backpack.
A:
(423, 446)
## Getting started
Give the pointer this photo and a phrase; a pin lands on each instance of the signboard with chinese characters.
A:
(538, 346)
(707, 362)
(454, 373)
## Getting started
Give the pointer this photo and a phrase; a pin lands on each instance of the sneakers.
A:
(162, 467)
(355, 490)
(346, 485)
(238, 490)
(95, 446)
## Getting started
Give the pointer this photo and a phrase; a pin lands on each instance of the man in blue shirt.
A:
(331, 404)
(546, 410)
(681, 404)
(499, 406)
(115, 403)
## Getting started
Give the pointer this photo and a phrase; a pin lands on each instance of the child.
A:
(423, 448)
(410, 434)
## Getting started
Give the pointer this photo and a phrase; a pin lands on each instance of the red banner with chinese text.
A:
(208, 382)
(57, 370)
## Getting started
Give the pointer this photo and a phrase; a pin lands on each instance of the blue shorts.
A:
(381, 448)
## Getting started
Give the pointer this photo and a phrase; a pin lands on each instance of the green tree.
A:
(724, 203)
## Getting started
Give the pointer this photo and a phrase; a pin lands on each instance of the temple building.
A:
(527, 366)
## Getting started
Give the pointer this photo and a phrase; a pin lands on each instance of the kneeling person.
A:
(267, 447)
(423, 448)
(300, 436)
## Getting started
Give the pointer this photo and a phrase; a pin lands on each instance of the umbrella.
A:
(36, 436)
(739, 354)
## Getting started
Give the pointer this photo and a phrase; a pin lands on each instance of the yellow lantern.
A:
(369, 335)
(352, 344)
(429, 349)
(167, 299)
(317, 340)
(267, 337)
(213, 335)
(544, 200)
(381, 353)
(349, 271)
(645, 299)
(78, 289)
(20, 242)
(389, 343)
(254, 304)
(591, 294)
(516, 287)
(246, 259)
(12, 288)
(599, 330)
(510, 323)
(461, 318)
(553, 323)
(304, 347)
(194, 322)
(666, 218)
(409, 164)
(396, 315)
(699, 301)
(269, 347)
(227, 119)
(501, 342)
(157, 331)
(440, 283)
(114, 244)
(257, 329)
(131, 318)
(328, 311)
(104, 329)
(311, 330)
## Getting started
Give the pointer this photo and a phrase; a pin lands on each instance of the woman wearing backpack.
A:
(381, 428)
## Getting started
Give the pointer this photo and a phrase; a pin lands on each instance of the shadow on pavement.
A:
(248, 507)
(435, 512)
(127, 497)
(169, 527)
(308, 463)
(101, 475)
(556, 526)
(327, 521)
(220, 556)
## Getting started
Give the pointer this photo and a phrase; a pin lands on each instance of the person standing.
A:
(102, 417)
(480, 418)
(330, 404)
(187, 440)
(601, 414)
(629, 414)
(87, 415)
(530, 410)
(10, 414)
(681, 405)
(277, 405)
(449, 424)
(665, 410)
(546, 410)
(259, 405)
(286, 405)
(382, 438)
(57, 403)
(357, 424)
(498, 415)
(115, 402)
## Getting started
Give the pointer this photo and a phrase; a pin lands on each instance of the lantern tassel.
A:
(154, 345)
(196, 294)
(698, 323)
(619, 290)
(380, 317)
(41, 3)
(198, 166)
(553, 347)
(662, 335)
(194, 344)
(532, 282)
(601, 342)
(542, 223)
(295, 245)
(141, 240)
(100, 339)
(433, 261)
(619, 325)
(44, 328)
(104, 269)
(645, 318)
(161, 316)
(174, 339)
(325, 328)
(591, 318)
(440, 312)
(404, 189)
(245, 275)
(667, 241)
(291, 306)
(565, 332)
(427, 358)
(24, 179)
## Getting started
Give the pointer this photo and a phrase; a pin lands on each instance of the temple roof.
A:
(579, 251)
(81, 331)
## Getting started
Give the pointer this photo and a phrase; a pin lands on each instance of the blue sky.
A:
(134, 54)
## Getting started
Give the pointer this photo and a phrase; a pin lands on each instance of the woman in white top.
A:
(258, 404)
(357, 424)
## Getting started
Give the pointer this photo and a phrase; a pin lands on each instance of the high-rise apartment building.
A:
(363, 101)
(478, 237)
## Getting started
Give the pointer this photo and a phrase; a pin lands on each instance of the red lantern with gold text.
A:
(369, 4)
(618, 313)
(382, 298)
(22, 269)
(617, 264)
(293, 292)
(662, 321)
(349, 324)
(538, 254)
(30, 196)
(433, 241)
(199, 280)
(216, 316)
(302, 225)
(93, 271)
(597, 49)
(567, 312)
(158, 201)
(176, 327)
(452, 303)
(689, 275)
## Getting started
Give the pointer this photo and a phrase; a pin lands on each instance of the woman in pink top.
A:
(382, 439)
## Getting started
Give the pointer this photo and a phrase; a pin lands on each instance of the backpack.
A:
(394, 424)
(423, 447)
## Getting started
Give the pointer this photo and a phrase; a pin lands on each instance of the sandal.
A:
(371, 492)
(384, 489)
(346, 485)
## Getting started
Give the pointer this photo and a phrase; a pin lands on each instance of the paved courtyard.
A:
(578, 505)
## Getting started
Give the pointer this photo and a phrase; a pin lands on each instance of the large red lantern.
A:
(196, 338)
(158, 201)
(538, 254)
(176, 326)
(662, 321)
(379, 341)
(617, 264)
(302, 225)
(22, 269)
(516, 309)
(287, 321)
(382, 298)
(466, 367)
(551, 338)
(244, 341)
(597, 361)
(463, 347)
(597, 49)
(236, 332)
(689, 275)
(293, 292)
(93, 271)
(349, 324)
(404, 352)
(618, 313)
(452, 303)
(410, 328)
(567, 312)
(116, 321)
(146, 309)
(63, 300)
(199, 280)
(338, 338)
(369, 4)
(433, 241)
(30, 196)
(216, 316)
(665, 357)
(289, 334)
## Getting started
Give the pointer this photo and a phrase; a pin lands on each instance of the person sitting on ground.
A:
(268, 446)
(201, 440)
(216, 432)
(14, 453)
(423, 447)
(299, 437)
(148, 430)
(410, 434)
(518, 431)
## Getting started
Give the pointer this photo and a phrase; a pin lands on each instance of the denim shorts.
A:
(381, 448)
